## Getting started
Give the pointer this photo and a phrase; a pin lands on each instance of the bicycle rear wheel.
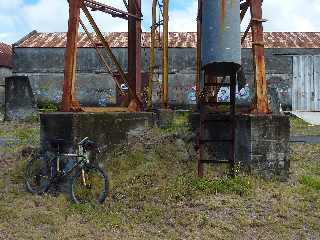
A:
(89, 185)
(38, 175)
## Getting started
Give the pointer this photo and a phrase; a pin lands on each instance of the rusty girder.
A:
(69, 102)
(165, 67)
(260, 104)
(114, 12)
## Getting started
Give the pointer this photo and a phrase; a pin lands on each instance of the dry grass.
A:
(300, 127)
(155, 195)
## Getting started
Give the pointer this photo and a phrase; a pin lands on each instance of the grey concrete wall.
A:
(107, 129)
(279, 69)
(4, 72)
(94, 87)
(262, 142)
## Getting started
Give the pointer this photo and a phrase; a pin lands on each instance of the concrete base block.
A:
(19, 100)
(164, 117)
(262, 143)
(109, 129)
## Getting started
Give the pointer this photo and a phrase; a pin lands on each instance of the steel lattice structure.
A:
(133, 15)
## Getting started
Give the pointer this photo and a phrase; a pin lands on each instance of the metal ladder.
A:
(205, 108)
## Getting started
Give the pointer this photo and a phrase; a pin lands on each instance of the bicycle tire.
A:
(37, 175)
(87, 178)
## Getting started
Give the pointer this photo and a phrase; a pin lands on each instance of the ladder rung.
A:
(215, 161)
(217, 120)
(218, 84)
(216, 141)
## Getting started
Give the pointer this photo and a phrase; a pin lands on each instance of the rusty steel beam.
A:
(244, 9)
(245, 34)
(114, 12)
(261, 97)
(152, 53)
(102, 59)
(200, 167)
(165, 67)
(110, 53)
(68, 99)
(198, 57)
(134, 48)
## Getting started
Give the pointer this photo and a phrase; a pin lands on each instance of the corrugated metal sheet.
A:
(5, 55)
(306, 83)
(176, 40)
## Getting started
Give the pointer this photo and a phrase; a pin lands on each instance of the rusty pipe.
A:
(152, 52)
(198, 57)
(165, 67)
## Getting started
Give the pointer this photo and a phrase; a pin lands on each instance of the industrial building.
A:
(5, 67)
(292, 67)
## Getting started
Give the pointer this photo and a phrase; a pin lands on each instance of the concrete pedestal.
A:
(105, 128)
(261, 143)
(20, 104)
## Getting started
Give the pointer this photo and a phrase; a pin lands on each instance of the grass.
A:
(48, 107)
(300, 127)
(238, 185)
(156, 195)
(179, 124)
(311, 181)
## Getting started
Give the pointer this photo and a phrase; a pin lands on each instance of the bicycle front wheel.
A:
(37, 175)
(89, 185)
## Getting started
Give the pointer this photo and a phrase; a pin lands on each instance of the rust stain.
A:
(223, 14)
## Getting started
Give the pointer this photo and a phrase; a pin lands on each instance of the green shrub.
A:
(48, 106)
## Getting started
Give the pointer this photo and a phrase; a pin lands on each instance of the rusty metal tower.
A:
(218, 65)
(132, 80)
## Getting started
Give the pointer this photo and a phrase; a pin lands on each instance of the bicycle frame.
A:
(81, 157)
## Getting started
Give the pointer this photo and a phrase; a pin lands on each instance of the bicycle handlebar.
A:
(83, 141)
(89, 145)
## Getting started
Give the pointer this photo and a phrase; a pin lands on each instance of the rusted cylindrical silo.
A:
(221, 48)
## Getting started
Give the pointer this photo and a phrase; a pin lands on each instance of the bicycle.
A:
(87, 181)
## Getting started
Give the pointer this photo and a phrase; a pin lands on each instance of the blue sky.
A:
(19, 17)
(30, 1)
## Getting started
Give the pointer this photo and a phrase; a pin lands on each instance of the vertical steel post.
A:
(68, 98)
(134, 47)
(261, 97)
(152, 52)
(198, 86)
(198, 60)
(165, 73)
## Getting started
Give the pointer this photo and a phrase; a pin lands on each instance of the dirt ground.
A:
(155, 195)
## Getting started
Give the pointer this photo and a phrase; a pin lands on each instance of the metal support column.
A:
(165, 76)
(261, 97)
(152, 52)
(134, 47)
(198, 60)
(68, 98)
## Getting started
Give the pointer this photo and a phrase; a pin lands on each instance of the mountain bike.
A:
(87, 182)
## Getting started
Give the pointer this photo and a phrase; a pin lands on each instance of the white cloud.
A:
(46, 15)
(17, 18)
(184, 20)
(292, 15)
(10, 6)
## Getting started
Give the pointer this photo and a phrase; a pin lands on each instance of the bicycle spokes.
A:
(89, 185)
(37, 177)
